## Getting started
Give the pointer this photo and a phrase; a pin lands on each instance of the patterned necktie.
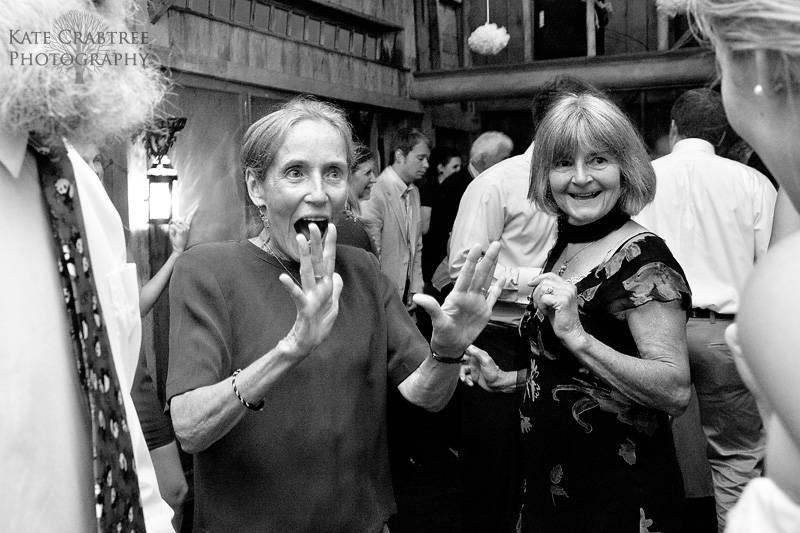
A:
(116, 487)
(409, 234)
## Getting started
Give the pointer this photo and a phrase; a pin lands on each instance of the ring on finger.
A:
(549, 290)
(484, 291)
(319, 278)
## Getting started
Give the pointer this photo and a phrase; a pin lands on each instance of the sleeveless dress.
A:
(594, 459)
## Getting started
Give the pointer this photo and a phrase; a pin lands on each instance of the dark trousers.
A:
(490, 458)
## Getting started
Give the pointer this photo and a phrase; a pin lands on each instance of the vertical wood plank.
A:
(516, 29)
(499, 15)
(239, 46)
(322, 67)
(591, 37)
(220, 39)
(527, 30)
(637, 25)
(257, 52)
(421, 29)
(274, 47)
(291, 58)
(335, 66)
(476, 17)
(652, 26)
(466, 30)
(372, 76)
(433, 32)
(306, 60)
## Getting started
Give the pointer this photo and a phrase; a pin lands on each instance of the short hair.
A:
(442, 156)
(361, 154)
(592, 124)
(264, 138)
(405, 139)
(556, 87)
(489, 143)
(699, 114)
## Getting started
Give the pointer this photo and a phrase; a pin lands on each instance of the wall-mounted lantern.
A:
(159, 198)
(161, 174)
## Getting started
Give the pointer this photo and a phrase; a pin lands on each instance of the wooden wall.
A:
(194, 43)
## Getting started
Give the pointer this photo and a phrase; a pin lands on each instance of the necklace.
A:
(565, 264)
(267, 248)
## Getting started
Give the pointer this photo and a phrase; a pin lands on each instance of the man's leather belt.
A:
(697, 312)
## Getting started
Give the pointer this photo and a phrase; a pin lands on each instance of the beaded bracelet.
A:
(447, 360)
(253, 407)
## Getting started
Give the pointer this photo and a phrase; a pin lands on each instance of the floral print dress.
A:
(594, 459)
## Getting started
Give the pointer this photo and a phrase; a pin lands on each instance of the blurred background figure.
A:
(442, 202)
(444, 162)
(351, 229)
(392, 213)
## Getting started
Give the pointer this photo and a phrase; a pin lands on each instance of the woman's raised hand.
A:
(179, 231)
(557, 299)
(317, 300)
(468, 307)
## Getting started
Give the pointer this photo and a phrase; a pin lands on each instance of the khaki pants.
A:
(728, 413)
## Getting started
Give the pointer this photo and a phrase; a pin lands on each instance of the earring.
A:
(758, 90)
(263, 216)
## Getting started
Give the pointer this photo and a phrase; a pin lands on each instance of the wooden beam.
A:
(621, 72)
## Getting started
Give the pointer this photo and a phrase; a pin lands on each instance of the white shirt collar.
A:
(396, 181)
(12, 150)
(693, 144)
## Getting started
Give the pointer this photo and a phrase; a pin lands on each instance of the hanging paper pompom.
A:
(488, 39)
(672, 7)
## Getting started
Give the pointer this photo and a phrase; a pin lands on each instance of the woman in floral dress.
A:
(607, 331)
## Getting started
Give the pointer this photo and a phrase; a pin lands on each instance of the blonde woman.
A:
(757, 43)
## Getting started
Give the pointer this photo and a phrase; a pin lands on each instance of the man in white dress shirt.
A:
(46, 481)
(715, 214)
